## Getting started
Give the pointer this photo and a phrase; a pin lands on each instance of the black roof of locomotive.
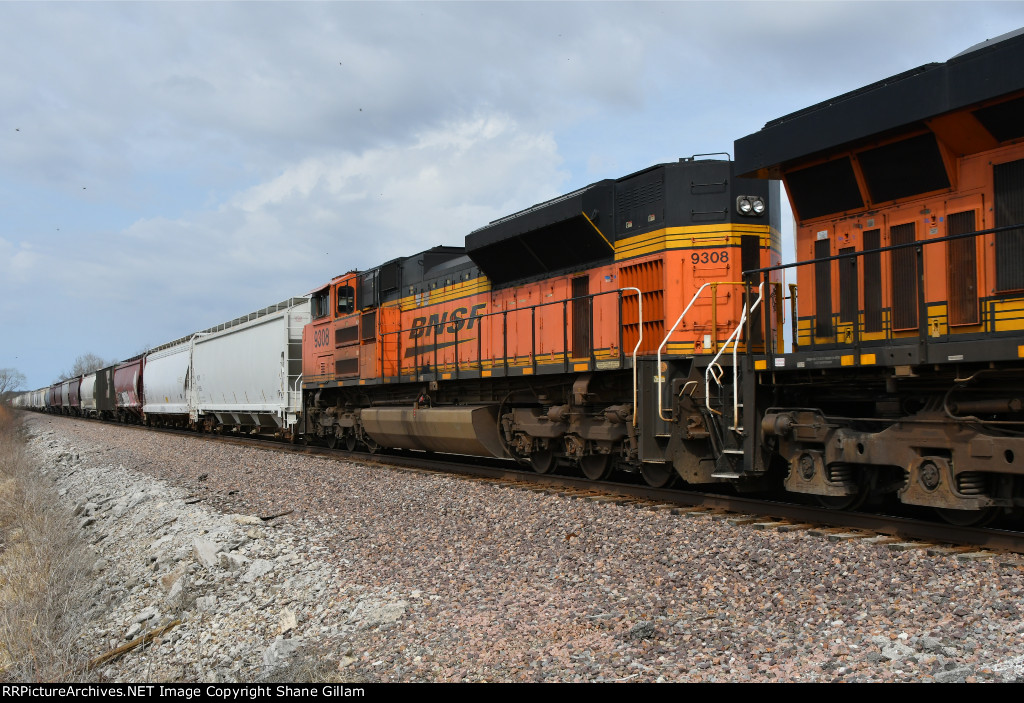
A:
(983, 72)
(581, 228)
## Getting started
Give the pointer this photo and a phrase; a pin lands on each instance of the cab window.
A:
(320, 303)
(346, 300)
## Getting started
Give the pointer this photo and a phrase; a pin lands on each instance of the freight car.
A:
(97, 394)
(547, 337)
(128, 390)
(906, 375)
(245, 374)
(241, 376)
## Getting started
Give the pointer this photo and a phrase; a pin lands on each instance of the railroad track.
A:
(760, 512)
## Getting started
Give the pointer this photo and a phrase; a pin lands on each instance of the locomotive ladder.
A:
(727, 446)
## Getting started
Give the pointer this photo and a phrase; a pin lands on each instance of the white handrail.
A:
(661, 377)
(734, 338)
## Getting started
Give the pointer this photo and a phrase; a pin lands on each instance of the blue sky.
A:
(168, 166)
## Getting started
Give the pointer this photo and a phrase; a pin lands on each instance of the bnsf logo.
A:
(422, 327)
(321, 337)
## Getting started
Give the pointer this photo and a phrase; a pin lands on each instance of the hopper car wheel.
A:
(657, 475)
(332, 441)
(543, 461)
(596, 467)
(350, 442)
(968, 518)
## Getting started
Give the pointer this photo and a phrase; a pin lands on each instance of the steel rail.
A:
(905, 528)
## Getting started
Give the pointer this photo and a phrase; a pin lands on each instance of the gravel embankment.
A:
(392, 576)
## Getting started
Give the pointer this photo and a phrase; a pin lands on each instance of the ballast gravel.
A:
(373, 574)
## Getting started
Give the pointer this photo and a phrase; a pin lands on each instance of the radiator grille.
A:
(649, 277)
(643, 194)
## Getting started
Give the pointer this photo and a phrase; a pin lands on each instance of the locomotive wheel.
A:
(332, 441)
(596, 467)
(657, 475)
(968, 518)
(543, 461)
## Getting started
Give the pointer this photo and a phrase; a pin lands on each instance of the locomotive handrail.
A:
(890, 247)
(918, 245)
(714, 334)
(533, 352)
(661, 376)
(734, 338)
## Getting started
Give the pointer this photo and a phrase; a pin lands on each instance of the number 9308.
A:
(710, 257)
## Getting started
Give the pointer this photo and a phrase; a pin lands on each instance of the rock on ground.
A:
(384, 575)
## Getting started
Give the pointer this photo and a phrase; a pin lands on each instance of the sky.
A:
(165, 167)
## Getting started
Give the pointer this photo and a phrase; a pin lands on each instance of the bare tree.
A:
(85, 364)
(10, 380)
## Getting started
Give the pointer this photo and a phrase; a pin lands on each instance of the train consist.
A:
(637, 324)
(242, 376)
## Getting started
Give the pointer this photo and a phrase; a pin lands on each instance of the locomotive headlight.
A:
(750, 205)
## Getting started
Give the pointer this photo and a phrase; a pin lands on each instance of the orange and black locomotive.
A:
(541, 339)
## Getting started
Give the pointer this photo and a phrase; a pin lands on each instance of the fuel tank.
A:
(460, 429)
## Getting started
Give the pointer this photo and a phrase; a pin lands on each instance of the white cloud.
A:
(18, 263)
(397, 199)
(161, 278)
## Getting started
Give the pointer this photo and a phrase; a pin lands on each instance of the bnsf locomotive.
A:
(637, 324)
(543, 338)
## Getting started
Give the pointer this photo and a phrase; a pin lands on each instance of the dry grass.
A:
(44, 571)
